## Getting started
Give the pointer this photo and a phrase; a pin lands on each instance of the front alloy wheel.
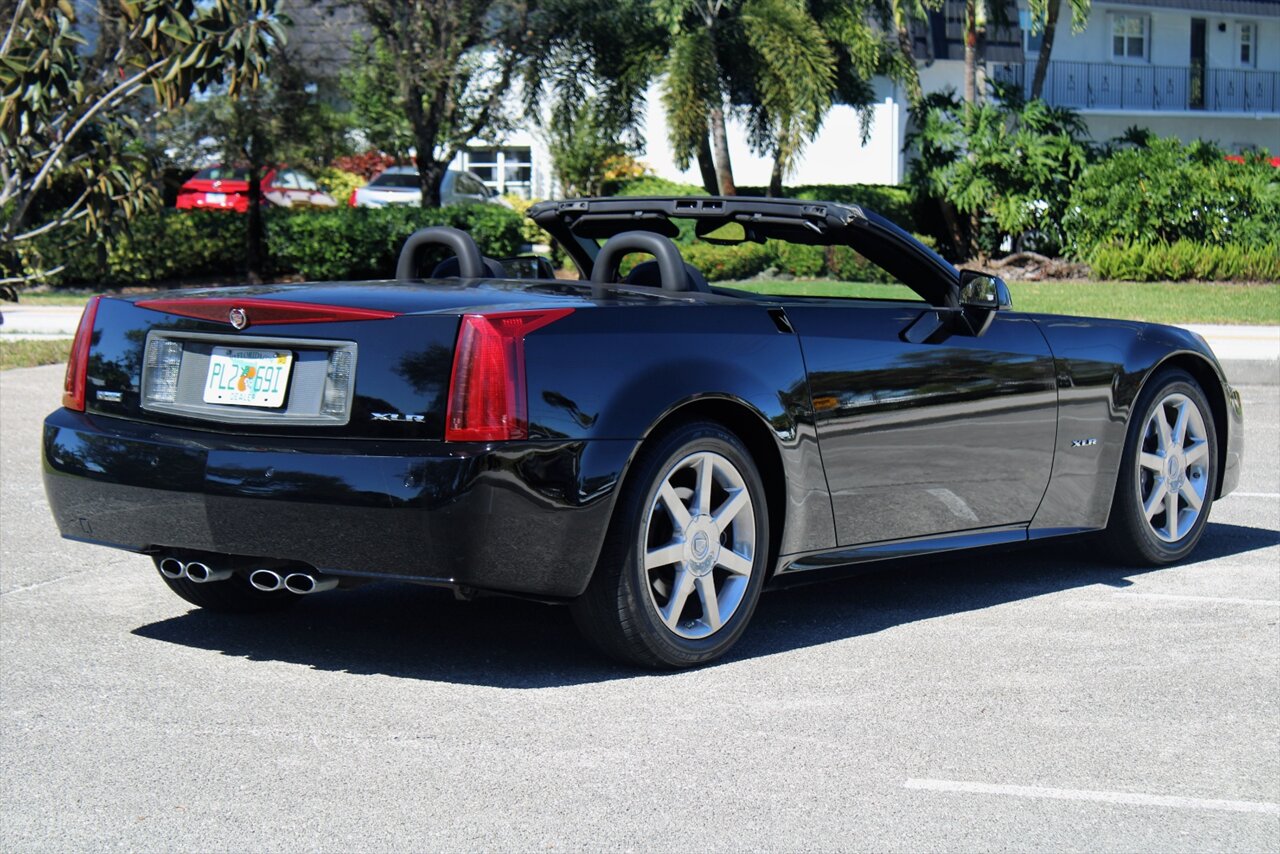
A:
(1168, 474)
(1173, 468)
(686, 554)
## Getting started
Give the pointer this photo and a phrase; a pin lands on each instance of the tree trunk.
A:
(430, 178)
(775, 178)
(959, 245)
(253, 249)
(1046, 48)
(970, 54)
(254, 254)
(707, 166)
(720, 145)
(424, 139)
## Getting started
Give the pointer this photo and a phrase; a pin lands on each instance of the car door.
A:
(945, 435)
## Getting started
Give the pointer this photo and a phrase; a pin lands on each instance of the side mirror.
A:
(978, 290)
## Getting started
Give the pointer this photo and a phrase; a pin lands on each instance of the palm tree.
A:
(1044, 15)
(694, 90)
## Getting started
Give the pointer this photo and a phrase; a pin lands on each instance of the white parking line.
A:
(1254, 494)
(1135, 798)
(1184, 597)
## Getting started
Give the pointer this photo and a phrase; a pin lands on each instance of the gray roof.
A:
(1256, 8)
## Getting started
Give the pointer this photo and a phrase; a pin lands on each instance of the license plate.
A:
(215, 198)
(241, 377)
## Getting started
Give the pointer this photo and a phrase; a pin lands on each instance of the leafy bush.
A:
(339, 183)
(368, 165)
(800, 260)
(728, 263)
(847, 265)
(651, 185)
(1167, 192)
(364, 243)
(1008, 165)
(340, 243)
(732, 263)
(1185, 259)
(157, 246)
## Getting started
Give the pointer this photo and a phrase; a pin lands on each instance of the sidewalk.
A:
(1249, 354)
(38, 321)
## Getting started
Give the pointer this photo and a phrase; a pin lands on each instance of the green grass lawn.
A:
(1159, 302)
(29, 354)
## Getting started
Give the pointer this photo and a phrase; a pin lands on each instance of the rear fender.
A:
(626, 380)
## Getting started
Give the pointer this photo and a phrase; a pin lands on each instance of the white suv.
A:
(398, 185)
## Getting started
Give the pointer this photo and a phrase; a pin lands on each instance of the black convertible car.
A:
(648, 448)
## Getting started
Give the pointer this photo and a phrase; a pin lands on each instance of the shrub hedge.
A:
(1167, 192)
(363, 243)
(341, 243)
(1185, 259)
(731, 263)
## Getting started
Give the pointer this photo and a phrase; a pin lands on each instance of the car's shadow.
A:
(414, 632)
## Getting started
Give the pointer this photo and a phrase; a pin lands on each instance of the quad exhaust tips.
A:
(173, 568)
(197, 571)
(305, 582)
(266, 580)
(302, 583)
(202, 572)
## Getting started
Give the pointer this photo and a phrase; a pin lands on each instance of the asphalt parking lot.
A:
(1030, 700)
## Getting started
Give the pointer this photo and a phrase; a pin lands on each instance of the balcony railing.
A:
(1104, 86)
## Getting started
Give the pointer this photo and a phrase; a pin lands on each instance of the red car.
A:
(227, 188)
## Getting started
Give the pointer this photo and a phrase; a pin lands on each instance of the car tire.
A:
(234, 595)
(1159, 463)
(676, 586)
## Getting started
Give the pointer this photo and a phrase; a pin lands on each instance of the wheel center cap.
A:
(702, 545)
(1174, 467)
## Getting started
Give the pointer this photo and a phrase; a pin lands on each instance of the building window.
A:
(503, 170)
(1129, 37)
(1246, 41)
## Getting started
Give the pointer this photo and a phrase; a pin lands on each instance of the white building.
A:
(1195, 69)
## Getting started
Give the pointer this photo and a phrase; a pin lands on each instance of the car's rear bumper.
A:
(525, 518)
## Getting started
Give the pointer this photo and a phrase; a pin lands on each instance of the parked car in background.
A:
(227, 188)
(398, 185)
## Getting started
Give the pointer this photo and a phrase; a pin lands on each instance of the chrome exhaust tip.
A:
(266, 580)
(202, 572)
(173, 568)
(304, 583)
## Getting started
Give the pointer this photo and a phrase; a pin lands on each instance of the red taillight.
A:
(488, 399)
(78, 362)
(262, 311)
(351, 199)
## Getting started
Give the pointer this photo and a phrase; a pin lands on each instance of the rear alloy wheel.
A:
(1168, 474)
(686, 558)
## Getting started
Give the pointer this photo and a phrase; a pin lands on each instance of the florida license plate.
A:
(242, 377)
(215, 198)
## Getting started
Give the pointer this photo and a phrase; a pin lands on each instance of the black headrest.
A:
(648, 275)
(449, 267)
